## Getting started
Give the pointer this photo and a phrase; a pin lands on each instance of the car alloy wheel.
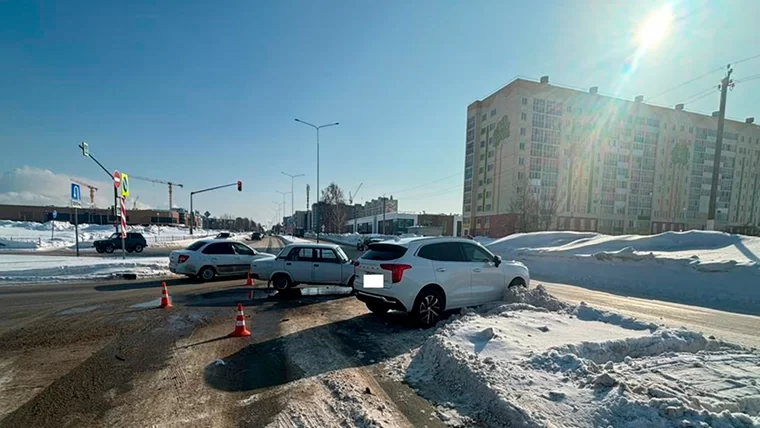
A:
(429, 309)
(281, 282)
(109, 248)
(207, 273)
(138, 248)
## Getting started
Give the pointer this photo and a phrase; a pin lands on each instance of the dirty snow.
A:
(702, 268)
(516, 364)
(25, 235)
(15, 269)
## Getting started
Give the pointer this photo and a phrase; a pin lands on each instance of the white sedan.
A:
(214, 257)
(306, 263)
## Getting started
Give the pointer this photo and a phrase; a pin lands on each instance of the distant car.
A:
(223, 235)
(256, 236)
(207, 259)
(364, 243)
(426, 276)
(133, 242)
(317, 264)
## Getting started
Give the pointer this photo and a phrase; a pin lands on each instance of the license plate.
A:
(372, 281)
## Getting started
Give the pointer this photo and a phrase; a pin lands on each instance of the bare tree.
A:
(535, 207)
(334, 211)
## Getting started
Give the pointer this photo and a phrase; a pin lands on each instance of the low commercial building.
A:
(397, 223)
(85, 215)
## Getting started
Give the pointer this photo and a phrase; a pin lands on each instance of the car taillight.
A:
(183, 258)
(397, 270)
(356, 263)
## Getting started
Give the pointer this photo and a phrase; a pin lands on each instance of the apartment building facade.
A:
(598, 163)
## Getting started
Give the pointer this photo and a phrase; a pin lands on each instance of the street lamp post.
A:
(292, 196)
(317, 128)
(278, 211)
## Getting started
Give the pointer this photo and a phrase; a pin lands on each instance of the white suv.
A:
(425, 276)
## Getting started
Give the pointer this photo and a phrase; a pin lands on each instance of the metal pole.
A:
(76, 228)
(318, 210)
(123, 213)
(192, 214)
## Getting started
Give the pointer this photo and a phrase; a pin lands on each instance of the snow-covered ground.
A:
(701, 268)
(23, 235)
(17, 269)
(534, 361)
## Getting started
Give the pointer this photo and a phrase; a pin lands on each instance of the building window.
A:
(488, 194)
(480, 170)
(493, 112)
(482, 131)
(480, 207)
(522, 146)
(569, 109)
(483, 118)
(523, 116)
(521, 161)
(490, 167)
(482, 156)
(522, 131)
(480, 182)
(489, 181)
(483, 143)
(520, 175)
(491, 126)
(524, 101)
(488, 207)
(480, 196)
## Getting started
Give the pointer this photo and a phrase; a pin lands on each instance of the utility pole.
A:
(724, 85)
(292, 197)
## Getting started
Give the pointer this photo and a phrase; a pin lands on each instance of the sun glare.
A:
(656, 27)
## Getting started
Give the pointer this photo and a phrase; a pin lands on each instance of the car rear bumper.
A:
(391, 302)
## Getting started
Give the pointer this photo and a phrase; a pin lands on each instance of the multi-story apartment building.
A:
(604, 164)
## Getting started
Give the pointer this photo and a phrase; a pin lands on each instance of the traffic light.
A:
(240, 186)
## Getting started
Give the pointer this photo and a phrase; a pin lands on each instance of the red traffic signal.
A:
(240, 186)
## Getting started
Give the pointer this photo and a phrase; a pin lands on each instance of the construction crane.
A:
(351, 202)
(169, 183)
(92, 188)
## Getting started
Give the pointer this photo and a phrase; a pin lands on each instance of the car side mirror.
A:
(497, 261)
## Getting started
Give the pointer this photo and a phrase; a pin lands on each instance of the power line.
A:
(704, 75)
(748, 78)
(699, 95)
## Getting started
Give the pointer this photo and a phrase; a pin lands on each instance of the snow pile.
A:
(575, 366)
(24, 235)
(290, 239)
(28, 268)
(700, 268)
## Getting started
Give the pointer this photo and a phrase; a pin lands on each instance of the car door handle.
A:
(440, 270)
(288, 263)
(476, 270)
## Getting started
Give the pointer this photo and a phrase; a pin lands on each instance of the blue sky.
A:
(206, 94)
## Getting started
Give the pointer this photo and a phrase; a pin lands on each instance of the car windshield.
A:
(284, 252)
(195, 246)
(114, 236)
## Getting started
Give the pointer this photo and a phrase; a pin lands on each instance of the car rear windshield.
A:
(384, 252)
(195, 246)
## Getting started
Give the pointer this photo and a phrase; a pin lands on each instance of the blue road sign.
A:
(55, 214)
(76, 192)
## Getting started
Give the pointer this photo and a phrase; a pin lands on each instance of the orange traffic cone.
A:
(165, 300)
(249, 281)
(240, 330)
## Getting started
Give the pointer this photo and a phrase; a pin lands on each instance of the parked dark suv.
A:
(133, 242)
(256, 236)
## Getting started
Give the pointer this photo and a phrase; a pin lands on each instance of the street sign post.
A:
(76, 202)
(52, 225)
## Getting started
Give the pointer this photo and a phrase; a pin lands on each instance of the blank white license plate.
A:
(372, 281)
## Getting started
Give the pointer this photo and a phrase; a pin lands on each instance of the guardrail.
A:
(37, 240)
